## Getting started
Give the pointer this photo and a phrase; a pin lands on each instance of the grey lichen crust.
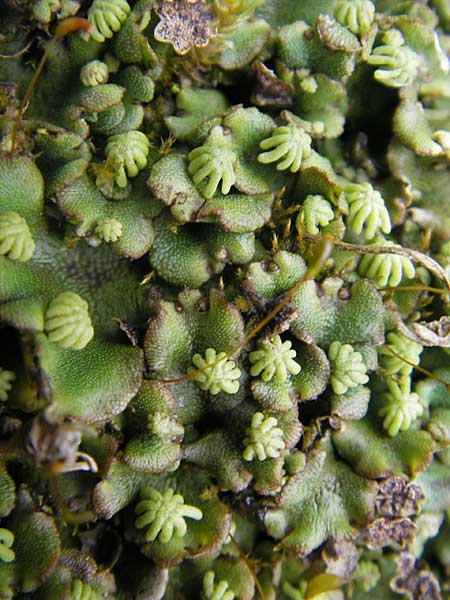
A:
(224, 299)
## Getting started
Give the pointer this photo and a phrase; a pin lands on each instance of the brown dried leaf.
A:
(398, 498)
(281, 321)
(415, 583)
(389, 532)
(81, 565)
(270, 91)
(184, 24)
(341, 558)
(436, 333)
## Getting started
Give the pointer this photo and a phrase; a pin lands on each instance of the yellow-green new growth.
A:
(215, 378)
(109, 230)
(16, 241)
(317, 211)
(43, 10)
(347, 368)
(386, 269)
(442, 137)
(67, 321)
(165, 513)
(106, 17)
(128, 153)
(295, 593)
(405, 348)
(397, 64)
(264, 439)
(232, 12)
(367, 575)
(308, 83)
(401, 406)
(216, 591)
(366, 210)
(82, 591)
(445, 249)
(300, 592)
(357, 15)
(288, 144)
(6, 379)
(164, 426)
(274, 359)
(7, 554)
(214, 160)
(93, 73)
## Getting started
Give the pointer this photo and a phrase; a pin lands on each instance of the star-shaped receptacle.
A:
(184, 24)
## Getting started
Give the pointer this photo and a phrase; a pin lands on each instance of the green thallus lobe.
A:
(397, 180)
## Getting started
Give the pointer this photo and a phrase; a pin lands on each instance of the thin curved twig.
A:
(67, 26)
(418, 257)
(17, 54)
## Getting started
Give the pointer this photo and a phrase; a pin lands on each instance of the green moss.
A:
(224, 299)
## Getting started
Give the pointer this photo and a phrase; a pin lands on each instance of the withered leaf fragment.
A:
(398, 498)
(390, 532)
(269, 90)
(415, 582)
(341, 558)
